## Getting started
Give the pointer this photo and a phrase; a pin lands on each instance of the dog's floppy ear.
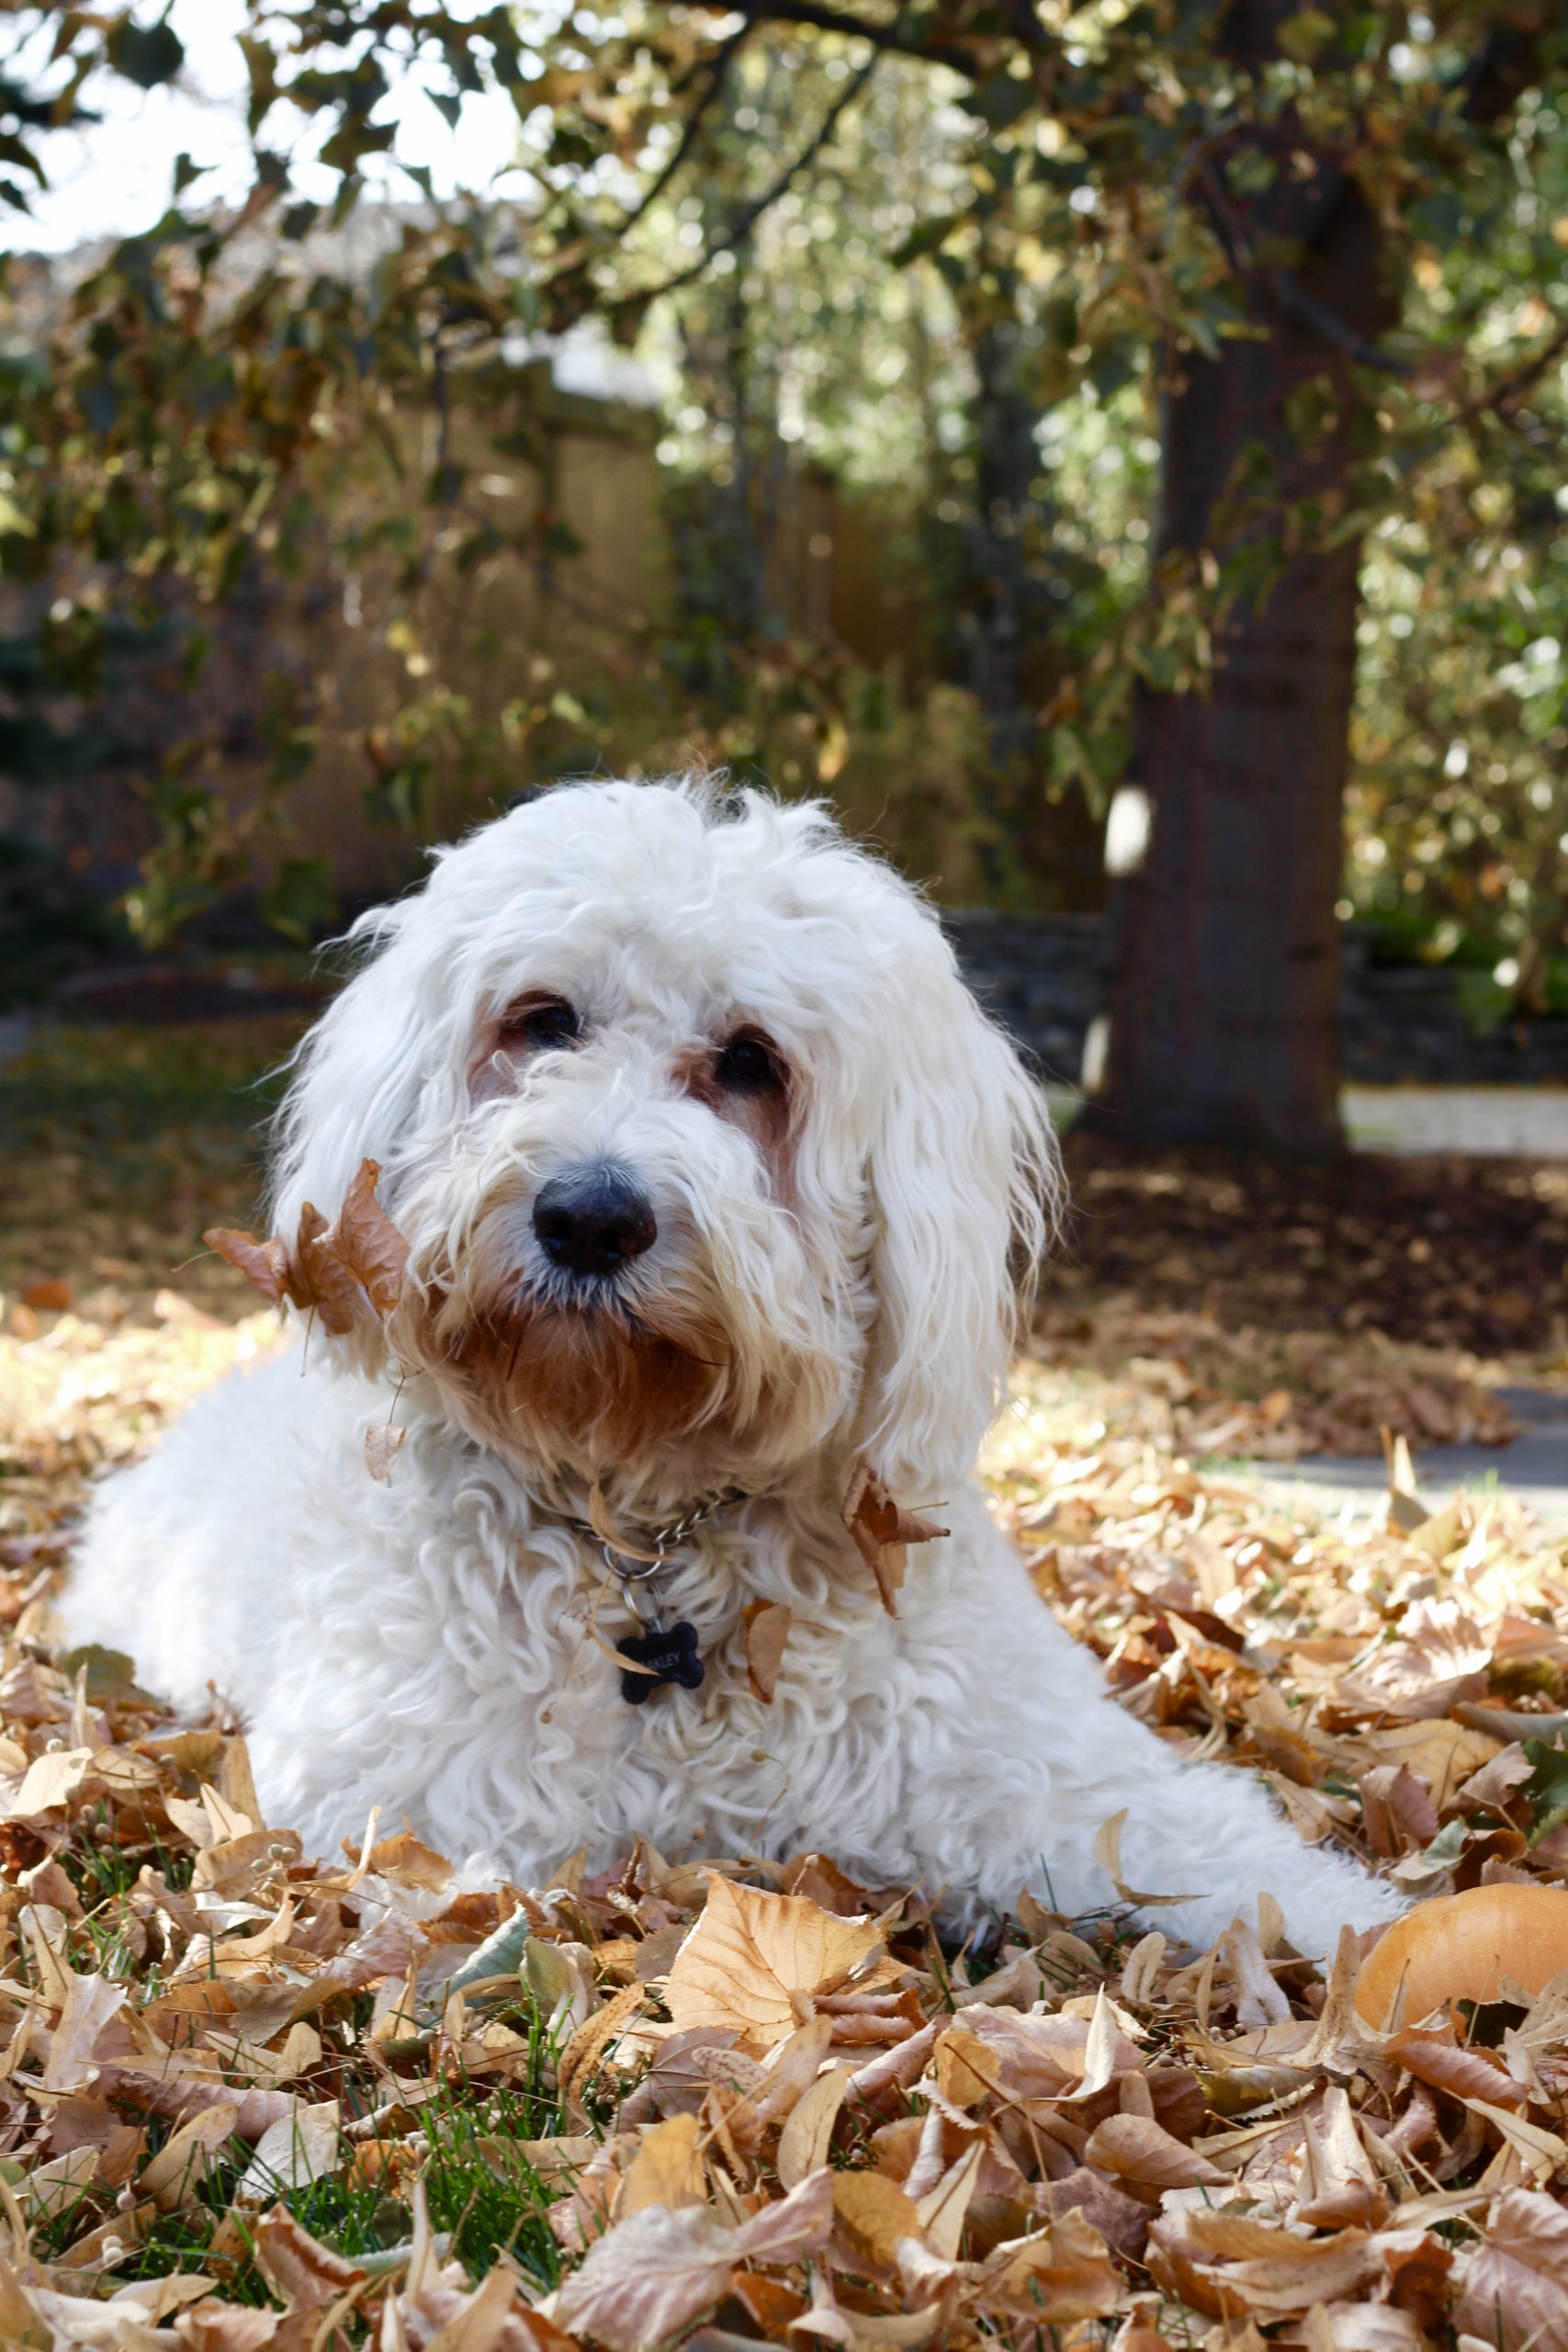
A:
(356, 1078)
(965, 1177)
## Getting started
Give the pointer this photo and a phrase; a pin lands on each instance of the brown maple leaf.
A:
(369, 1244)
(883, 1531)
(320, 1277)
(265, 1264)
(332, 1270)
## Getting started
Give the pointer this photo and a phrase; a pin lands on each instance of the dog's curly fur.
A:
(843, 1215)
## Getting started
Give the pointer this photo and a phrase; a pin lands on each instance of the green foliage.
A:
(950, 252)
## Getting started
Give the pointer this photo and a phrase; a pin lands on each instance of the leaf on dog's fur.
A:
(883, 1532)
(331, 1268)
(265, 1264)
(767, 1632)
(382, 1446)
(604, 1528)
(320, 1277)
(368, 1243)
(754, 1960)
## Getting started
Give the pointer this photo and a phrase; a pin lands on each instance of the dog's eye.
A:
(748, 1064)
(537, 1028)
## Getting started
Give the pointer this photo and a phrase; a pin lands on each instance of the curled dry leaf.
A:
(767, 1631)
(265, 1264)
(320, 1279)
(382, 1446)
(333, 1271)
(368, 1244)
(883, 1532)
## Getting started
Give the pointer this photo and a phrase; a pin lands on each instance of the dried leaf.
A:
(265, 1264)
(1516, 2283)
(307, 2274)
(320, 1279)
(875, 2214)
(368, 1244)
(382, 1446)
(299, 2148)
(767, 1626)
(794, 2229)
(883, 1531)
(752, 1958)
(1137, 2151)
(648, 2276)
(807, 2135)
(666, 2170)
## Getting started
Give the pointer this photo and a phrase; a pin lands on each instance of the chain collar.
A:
(653, 1654)
(639, 1579)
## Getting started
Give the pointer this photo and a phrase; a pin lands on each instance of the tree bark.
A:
(1224, 946)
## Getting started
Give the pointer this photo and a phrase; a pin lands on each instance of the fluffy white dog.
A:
(718, 1185)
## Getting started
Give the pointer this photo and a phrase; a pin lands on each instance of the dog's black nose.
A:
(593, 1220)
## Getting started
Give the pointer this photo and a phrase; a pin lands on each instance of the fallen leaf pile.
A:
(249, 2098)
(252, 2098)
(1273, 1397)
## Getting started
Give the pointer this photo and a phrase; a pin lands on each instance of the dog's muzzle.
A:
(591, 1222)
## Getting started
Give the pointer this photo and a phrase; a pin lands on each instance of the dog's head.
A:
(706, 1156)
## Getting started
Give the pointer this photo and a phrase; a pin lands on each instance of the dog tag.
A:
(672, 1654)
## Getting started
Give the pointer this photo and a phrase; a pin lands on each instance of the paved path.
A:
(1489, 1122)
(1535, 1467)
(1486, 1122)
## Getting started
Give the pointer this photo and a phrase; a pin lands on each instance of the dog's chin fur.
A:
(824, 1276)
(599, 1394)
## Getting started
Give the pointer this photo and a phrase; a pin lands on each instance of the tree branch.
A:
(717, 72)
(889, 36)
(1297, 299)
(750, 214)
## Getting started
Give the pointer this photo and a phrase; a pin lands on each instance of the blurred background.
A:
(1115, 453)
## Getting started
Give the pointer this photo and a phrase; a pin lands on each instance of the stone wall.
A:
(1044, 977)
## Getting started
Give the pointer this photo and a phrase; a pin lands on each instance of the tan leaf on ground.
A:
(875, 2214)
(49, 1780)
(1396, 1809)
(1053, 2278)
(214, 2326)
(797, 2228)
(646, 2277)
(298, 2149)
(91, 2002)
(807, 2135)
(751, 1956)
(1140, 2151)
(1516, 2283)
(182, 2164)
(666, 2170)
(307, 2274)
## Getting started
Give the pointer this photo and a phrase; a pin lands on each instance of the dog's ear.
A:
(965, 1177)
(356, 1078)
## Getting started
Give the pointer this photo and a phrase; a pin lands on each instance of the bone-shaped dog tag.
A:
(670, 1654)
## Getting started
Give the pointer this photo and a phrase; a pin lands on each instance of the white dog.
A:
(717, 1184)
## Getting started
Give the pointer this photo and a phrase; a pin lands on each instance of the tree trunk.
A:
(1224, 946)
